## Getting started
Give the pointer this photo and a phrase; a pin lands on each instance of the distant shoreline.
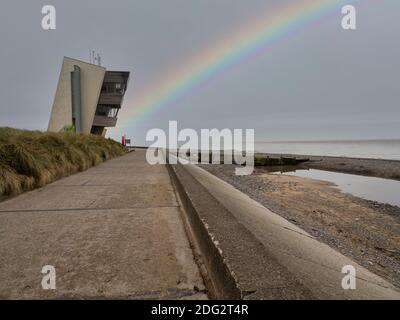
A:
(331, 141)
(388, 149)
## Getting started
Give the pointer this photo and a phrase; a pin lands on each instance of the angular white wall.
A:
(92, 77)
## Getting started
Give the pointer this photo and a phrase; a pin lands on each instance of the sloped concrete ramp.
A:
(252, 253)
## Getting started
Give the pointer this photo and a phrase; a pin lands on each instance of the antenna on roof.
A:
(98, 59)
(94, 57)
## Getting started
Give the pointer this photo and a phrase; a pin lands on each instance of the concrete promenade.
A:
(113, 231)
(261, 253)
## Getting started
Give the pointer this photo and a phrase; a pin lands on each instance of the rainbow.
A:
(227, 52)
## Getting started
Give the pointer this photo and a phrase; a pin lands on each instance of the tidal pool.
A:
(369, 188)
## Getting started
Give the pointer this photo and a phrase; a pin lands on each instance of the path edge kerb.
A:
(236, 269)
(223, 283)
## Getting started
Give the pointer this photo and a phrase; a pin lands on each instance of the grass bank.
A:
(31, 159)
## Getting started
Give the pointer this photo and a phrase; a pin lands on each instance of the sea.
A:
(372, 149)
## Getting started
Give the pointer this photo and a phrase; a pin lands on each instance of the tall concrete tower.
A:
(88, 97)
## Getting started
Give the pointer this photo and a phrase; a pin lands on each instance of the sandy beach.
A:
(366, 231)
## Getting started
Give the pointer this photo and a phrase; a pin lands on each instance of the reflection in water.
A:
(370, 188)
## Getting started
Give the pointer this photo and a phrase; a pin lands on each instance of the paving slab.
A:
(113, 240)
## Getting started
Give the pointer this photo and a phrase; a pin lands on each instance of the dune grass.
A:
(31, 159)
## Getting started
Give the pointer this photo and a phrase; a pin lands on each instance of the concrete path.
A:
(113, 231)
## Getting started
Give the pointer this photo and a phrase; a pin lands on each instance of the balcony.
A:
(103, 121)
(110, 99)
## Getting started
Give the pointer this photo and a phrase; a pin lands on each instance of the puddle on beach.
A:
(370, 188)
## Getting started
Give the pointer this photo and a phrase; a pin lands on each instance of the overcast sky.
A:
(319, 83)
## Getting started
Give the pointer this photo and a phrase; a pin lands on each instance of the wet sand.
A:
(366, 231)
